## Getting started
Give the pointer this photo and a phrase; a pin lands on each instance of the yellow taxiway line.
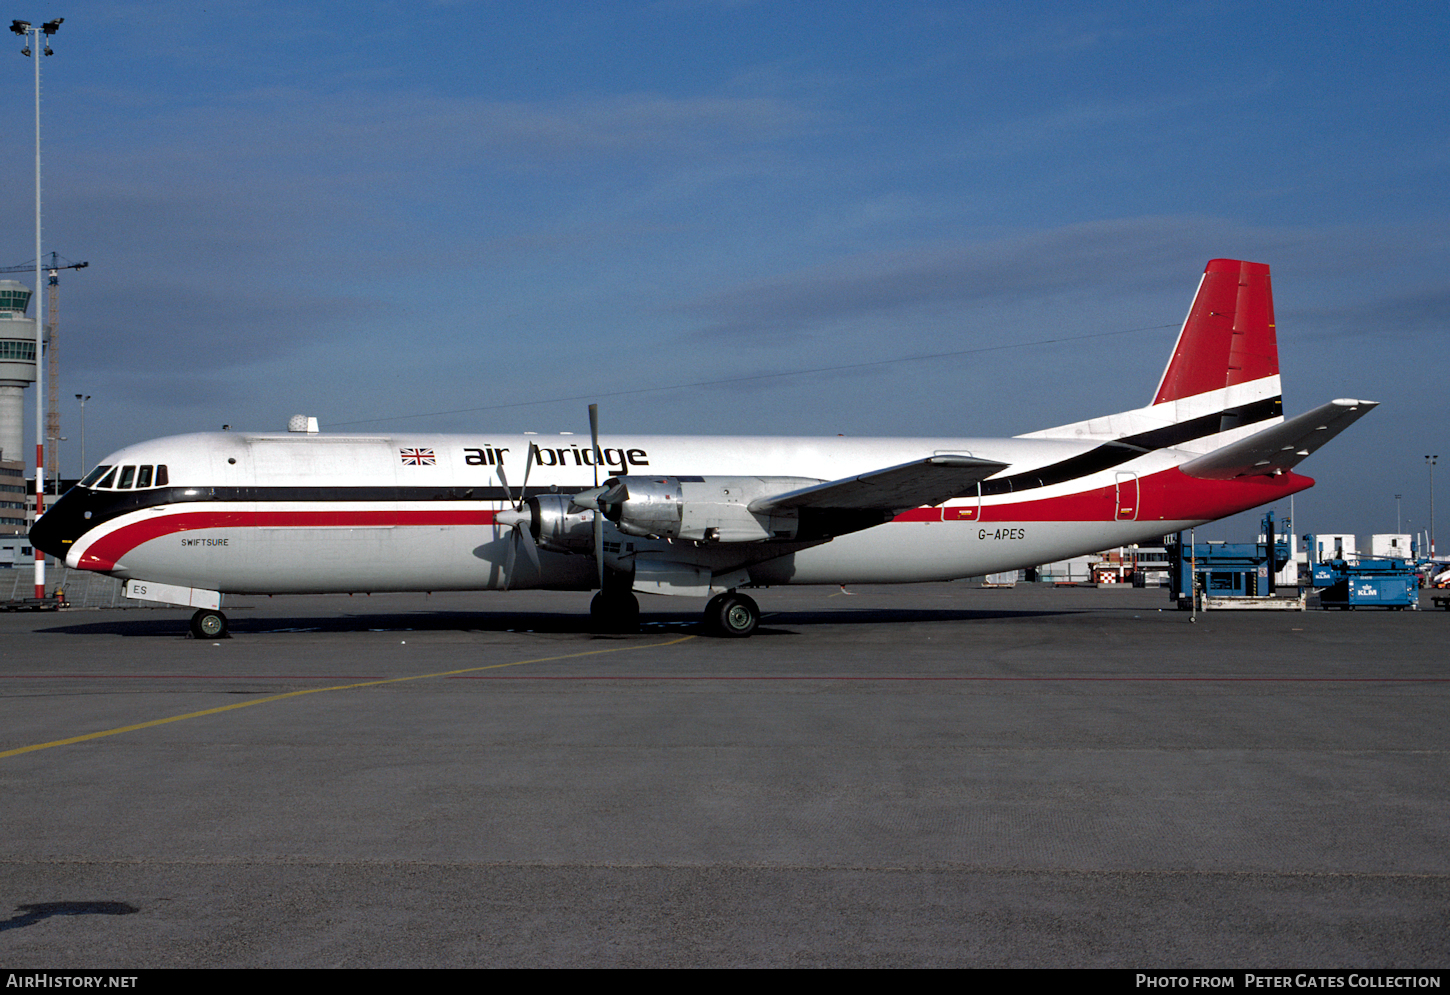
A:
(338, 687)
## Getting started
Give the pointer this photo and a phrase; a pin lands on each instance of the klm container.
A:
(1368, 583)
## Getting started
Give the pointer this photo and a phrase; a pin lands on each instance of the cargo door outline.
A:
(971, 511)
(1126, 497)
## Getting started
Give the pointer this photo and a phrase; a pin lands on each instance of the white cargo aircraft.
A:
(184, 520)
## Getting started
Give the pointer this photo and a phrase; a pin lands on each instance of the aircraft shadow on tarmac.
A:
(559, 623)
(31, 914)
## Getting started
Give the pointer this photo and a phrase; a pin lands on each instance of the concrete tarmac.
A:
(931, 775)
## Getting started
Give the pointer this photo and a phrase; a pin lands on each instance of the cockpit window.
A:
(124, 477)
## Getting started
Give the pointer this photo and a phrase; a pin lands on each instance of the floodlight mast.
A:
(1430, 461)
(83, 398)
(24, 29)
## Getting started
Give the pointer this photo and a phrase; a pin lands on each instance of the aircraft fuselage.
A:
(300, 513)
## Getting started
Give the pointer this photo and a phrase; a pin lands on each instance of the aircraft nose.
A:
(60, 526)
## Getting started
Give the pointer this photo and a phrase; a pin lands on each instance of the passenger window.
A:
(161, 478)
(94, 475)
(143, 477)
(127, 474)
(109, 479)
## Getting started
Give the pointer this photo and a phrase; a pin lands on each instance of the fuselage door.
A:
(1127, 504)
(964, 507)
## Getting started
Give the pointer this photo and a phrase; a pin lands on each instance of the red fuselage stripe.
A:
(108, 550)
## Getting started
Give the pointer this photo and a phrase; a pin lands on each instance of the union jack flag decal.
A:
(417, 457)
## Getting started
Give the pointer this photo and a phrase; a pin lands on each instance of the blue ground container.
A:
(1368, 583)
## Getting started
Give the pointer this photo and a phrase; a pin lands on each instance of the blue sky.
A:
(436, 215)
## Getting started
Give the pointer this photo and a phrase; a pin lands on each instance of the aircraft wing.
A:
(1281, 447)
(925, 482)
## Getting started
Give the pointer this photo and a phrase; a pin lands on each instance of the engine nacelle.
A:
(701, 509)
(560, 526)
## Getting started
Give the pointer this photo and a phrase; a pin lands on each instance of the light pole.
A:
(34, 46)
(1431, 461)
(1397, 505)
(83, 398)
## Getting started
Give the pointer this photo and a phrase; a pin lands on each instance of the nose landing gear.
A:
(208, 623)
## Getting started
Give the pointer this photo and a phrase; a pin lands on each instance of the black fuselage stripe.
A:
(1111, 454)
(1196, 428)
(121, 502)
(65, 521)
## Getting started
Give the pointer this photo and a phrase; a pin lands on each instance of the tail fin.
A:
(1222, 382)
(1228, 337)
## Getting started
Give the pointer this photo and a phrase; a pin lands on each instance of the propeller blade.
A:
(518, 520)
(508, 495)
(594, 496)
(599, 545)
(530, 548)
(528, 465)
(594, 439)
(508, 567)
(506, 519)
(527, 527)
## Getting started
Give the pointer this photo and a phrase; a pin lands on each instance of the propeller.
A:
(598, 510)
(519, 520)
(597, 499)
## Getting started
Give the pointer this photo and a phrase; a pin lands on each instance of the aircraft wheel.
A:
(209, 623)
(614, 612)
(734, 616)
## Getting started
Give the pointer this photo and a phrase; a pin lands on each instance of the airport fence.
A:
(83, 588)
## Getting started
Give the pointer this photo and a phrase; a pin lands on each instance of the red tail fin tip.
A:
(1228, 337)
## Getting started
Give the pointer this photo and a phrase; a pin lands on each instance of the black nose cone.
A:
(62, 524)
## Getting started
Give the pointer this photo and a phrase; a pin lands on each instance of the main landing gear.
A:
(208, 623)
(614, 611)
(732, 615)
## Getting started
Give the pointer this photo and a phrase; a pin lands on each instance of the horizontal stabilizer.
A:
(923, 483)
(1277, 449)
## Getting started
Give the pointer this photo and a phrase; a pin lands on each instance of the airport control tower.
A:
(17, 366)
